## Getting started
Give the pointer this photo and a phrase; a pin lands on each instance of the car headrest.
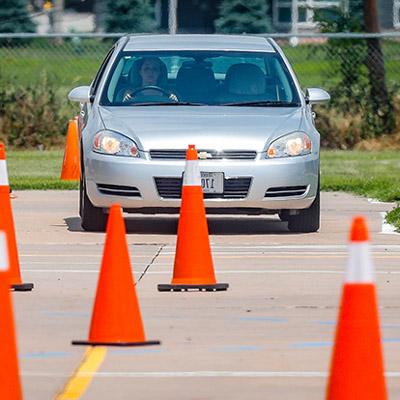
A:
(245, 79)
(196, 79)
(135, 80)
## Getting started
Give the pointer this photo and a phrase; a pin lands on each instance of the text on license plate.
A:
(212, 182)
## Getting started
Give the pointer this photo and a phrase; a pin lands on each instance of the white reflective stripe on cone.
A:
(359, 265)
(192, 176)
(4, 263)
(3, 173)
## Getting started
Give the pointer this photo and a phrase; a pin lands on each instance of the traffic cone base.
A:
(217, 287)
(116, 318)
(23, 287)
(118, 344)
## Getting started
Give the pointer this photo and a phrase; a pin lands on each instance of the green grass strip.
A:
(373, 174)
(366, 173)
(37, 170)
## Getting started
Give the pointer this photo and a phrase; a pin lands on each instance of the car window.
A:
(199, 77)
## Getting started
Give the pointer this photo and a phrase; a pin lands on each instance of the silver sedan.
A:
(235, 97)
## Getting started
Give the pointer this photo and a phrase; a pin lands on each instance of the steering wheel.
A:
(170, 95)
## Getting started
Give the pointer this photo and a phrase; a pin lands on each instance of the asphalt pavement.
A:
(268, 337)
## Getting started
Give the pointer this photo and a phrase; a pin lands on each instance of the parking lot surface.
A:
(268, 337)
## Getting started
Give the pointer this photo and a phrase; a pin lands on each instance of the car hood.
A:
(219, 128)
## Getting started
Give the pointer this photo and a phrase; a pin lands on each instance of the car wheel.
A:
(284, 215)
(307, 220)
(93, 218)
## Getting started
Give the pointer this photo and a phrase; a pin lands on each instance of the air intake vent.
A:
(204, 154)
(286, 191)
(234, 188)
(115, 190)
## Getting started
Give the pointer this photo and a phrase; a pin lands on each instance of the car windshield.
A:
(198, 78)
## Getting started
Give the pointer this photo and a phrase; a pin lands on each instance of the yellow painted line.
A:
(76, 255)
(80, 380)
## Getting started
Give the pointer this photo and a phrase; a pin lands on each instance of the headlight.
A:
(295, 144)
(109, 142)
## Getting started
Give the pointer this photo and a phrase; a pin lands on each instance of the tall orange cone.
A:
(71, 163)
(357, 362)
(193, 267)
(116, 319)
(10, 386)
(7, 225)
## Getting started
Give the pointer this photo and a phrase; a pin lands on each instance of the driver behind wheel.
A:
(147, 71)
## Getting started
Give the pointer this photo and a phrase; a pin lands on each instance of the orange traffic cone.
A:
(193, 267)
(10, 387)
(116, 319)
(71, 164)
(7, 224)
(357, 361)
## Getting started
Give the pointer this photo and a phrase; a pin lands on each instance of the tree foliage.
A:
(239, 16)
(130, 16)
(14, 17)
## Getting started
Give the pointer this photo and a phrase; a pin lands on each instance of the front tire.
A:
(93, 219)
(307, 220)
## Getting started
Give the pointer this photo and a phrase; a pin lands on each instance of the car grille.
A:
(234, 188)
(286, 191)
(211, 154)
(115, 190)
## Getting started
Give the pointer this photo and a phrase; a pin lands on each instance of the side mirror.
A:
(316, 96)
(80, 94)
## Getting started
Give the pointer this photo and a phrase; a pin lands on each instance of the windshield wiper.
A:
(167, 103)
(262, 103)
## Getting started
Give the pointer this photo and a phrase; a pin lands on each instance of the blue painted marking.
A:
(231, 349)
(51, 354)
(133, 351)
(391, 340)
(327, 322)
(65, 314)
(305, 345)
(268, 319)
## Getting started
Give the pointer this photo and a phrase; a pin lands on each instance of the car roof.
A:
(199, 42)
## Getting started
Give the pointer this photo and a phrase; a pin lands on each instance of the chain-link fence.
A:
(362, 71)
(318, 59)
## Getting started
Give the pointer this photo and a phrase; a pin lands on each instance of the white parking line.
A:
(200, 374)
(260, 271)
(322, 247)
(223, 254)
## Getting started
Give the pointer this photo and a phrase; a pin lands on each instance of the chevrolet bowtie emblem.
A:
(203, 155)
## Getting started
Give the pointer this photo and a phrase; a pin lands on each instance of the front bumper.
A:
(140, 173)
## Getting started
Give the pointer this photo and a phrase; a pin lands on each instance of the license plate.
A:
(212, 182)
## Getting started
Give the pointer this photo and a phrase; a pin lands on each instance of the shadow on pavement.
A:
(217, 225)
